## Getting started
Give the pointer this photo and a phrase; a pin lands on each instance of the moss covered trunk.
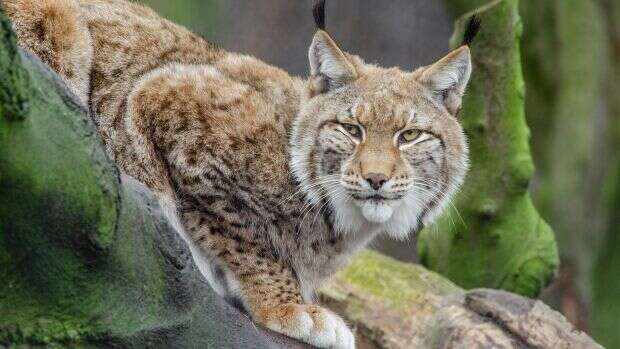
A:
(567, 67)
(574, 155)
(572, 109)
(493, 236)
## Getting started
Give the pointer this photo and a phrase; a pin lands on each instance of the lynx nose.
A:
(376, 180)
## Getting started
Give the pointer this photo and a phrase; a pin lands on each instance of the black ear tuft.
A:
(473, 27)
(319, 14)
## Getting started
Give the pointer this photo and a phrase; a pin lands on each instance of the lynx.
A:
(273, 181)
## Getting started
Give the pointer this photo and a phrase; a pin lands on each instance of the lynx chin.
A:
(273, 181)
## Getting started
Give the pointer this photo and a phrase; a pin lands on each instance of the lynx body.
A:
(274, 181)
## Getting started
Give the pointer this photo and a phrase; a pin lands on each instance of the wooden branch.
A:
(395, 305)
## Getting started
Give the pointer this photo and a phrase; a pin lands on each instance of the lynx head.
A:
(381, 147)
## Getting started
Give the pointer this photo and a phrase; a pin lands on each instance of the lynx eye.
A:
(409, 136)
(352, 130)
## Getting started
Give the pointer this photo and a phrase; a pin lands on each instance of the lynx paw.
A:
(311, 324)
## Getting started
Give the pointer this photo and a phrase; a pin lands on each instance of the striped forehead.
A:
(387, 99)
(384, 115)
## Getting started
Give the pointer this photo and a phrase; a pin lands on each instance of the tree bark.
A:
(395, 305)
(571, 67)
(566, 55)
(494, 237)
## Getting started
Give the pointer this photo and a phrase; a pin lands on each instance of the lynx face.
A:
(382, 146)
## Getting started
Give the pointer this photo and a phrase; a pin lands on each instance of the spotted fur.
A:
(273, 181)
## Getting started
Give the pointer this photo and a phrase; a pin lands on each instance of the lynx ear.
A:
(448, 78)
(329, 67)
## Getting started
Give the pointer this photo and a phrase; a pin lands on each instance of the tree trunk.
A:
(566, 54)
(577, 151)
(606, 293)
(493, 236)
(572, 108)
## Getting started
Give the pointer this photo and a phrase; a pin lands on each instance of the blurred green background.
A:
(570, 52)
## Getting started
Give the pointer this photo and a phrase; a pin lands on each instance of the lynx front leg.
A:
(270, 293)
(273, 298)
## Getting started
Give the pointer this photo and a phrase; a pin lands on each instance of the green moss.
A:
(395, 282)
(14, 82)
(494, 237)
(28, 316)
(45, 331)
(59, 208)
(44, 177)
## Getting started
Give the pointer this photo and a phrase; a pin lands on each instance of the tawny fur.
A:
(260, 171)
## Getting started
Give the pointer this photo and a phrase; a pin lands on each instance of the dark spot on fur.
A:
(39, 30)
(69, 73)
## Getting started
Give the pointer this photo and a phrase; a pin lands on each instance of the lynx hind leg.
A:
(53, 30)
(269, 291)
